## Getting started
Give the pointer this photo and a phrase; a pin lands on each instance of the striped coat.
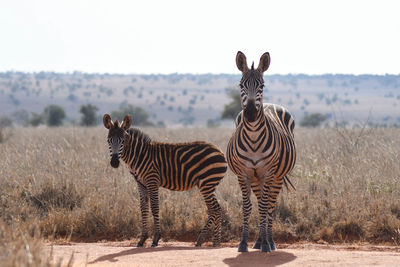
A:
(178, 167)
(261, 151)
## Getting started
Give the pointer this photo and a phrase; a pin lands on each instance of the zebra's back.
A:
(275, 111)
(184, 165)
(282, 114)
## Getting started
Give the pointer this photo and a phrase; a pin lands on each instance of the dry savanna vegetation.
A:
(57, 184)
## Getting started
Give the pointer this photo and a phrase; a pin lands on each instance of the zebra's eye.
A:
(262, 86)
(241, 86)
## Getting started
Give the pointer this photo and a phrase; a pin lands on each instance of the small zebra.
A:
(178, 167)
(261, 151)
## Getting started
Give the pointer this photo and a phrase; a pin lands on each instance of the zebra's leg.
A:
(144, 208)
(263, 207)
(214, 216)
(245, 187)
(269, 233)
(155, 209)
(257, 191)
(273, 196)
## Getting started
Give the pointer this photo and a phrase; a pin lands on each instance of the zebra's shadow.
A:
(135, 250)
(257, 258)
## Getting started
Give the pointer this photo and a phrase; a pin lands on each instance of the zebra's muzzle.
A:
(114, 161)
(250, 111)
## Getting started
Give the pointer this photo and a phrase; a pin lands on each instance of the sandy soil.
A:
(185, 254)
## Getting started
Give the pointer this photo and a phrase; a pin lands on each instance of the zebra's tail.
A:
(287, 182)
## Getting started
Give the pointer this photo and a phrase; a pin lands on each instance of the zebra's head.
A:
(252, 84)
(116, 137)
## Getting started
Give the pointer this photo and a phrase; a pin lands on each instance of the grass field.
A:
(57, 183)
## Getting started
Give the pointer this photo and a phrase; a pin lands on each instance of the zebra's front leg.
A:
(273, 195)
(144, 208)
(155, 209)
(245, 187)
(263, 207)
(269, 233)
(256, 188)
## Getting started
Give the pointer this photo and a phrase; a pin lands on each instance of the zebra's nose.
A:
(250, 111)
(114, 161)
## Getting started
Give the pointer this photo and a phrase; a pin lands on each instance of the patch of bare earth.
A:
(185, 254)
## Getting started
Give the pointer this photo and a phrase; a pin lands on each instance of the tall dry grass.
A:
(60, 180)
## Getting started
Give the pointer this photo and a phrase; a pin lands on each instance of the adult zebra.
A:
(176, 167)
(261, 151)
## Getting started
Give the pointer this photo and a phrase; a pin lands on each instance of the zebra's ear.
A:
(126, 123)
(264, 62)
(241, 62)
(107, 121)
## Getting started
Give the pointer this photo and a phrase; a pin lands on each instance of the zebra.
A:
(261, 151)
(178, 167)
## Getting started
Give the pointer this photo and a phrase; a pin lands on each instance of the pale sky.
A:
(311, 37)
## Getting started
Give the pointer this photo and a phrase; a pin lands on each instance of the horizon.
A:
(189, 73)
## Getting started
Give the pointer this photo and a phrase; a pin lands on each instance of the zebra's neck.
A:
(134, 152)
(253, 129)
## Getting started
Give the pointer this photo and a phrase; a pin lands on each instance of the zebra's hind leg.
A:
(155, 209)
(245, 187)
(144, 208)
(214, 216)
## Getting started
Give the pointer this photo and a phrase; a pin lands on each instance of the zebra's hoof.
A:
(154, 245)
(257, 245)
(216, 244)
(243, 247)
(265, 247)
(200, 241)
(272, 245)
(139, 245)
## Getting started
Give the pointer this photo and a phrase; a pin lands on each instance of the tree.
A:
(36, 119)
(5, 122)
(21, 116)
(139, 116)
(88, 115)
(232, 109)
(313, 120)
(54, 115)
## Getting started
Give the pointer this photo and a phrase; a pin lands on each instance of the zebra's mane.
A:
(138, 134)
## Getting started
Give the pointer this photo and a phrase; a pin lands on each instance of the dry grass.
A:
(60, 180)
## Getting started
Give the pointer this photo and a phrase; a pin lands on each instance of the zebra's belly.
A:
(258, 165)
(175, 187)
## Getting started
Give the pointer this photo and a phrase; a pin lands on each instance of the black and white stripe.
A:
(261, 151)
(178, 167)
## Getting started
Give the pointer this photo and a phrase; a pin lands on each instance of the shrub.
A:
(313, 120)
(54, 115)
(232, 109)
(89, 117)
(139, 116)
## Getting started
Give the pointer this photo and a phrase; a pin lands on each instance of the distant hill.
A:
(188, 99)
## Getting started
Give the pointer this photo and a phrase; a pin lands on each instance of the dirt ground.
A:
(185, 254)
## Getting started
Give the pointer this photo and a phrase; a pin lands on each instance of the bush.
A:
(139, 116)
(234, 107)
(88, 115)
(21, 116)
(312, 120)
(5, 122)
(54, 115)
(36, 119)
